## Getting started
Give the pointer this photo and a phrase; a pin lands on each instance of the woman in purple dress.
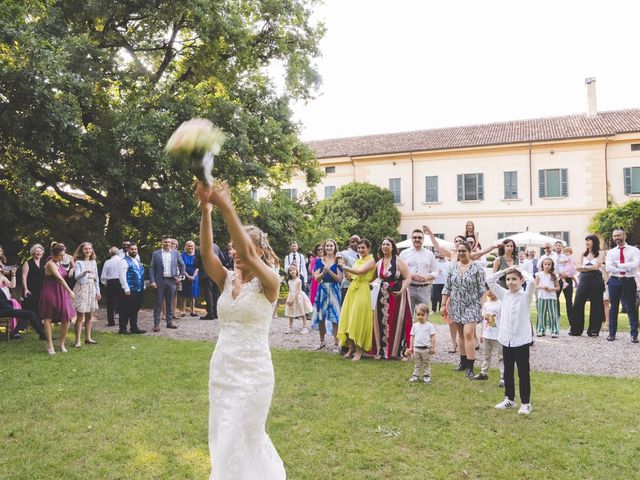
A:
(56, 298)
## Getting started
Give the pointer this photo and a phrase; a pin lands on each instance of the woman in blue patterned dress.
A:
(326, 307)
(465, 286)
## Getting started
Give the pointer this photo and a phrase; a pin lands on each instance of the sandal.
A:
(454, 349)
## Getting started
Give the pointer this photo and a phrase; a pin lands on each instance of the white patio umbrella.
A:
(427, 243)
(532, 239)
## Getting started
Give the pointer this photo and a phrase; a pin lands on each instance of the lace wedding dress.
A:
(240, 388)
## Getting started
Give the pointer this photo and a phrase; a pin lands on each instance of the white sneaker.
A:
(413, 379)
(304, 330)
(505, 404)
(288, 330)
(427, 379)
(525, 409)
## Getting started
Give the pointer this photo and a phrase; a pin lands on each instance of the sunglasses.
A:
(462, 251)
(417, 238)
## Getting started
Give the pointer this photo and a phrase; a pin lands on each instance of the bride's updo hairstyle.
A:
(260, 239)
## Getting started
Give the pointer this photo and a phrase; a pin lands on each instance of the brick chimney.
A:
(592, 109)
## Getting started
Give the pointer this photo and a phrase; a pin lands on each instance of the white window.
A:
(394, 186)
(292, 193)
(470, 186)
(510, 185)
(553, 183)
(431, 189)
(328, 191)
(632, 181)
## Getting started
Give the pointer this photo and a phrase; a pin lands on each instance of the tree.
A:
(362, 209)
(625, 216)
(91, 90)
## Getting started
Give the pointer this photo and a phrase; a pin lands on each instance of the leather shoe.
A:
(138, 331)
(481, 376)
(156, 328)
(634, 339)
(610, 338)
(206, 317)
(123, 332)
(171, 325)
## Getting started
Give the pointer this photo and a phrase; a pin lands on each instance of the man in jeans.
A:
(166, 265)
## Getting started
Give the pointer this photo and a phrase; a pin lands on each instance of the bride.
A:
(241, 373)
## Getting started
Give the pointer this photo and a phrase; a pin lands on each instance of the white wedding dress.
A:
(240, 388)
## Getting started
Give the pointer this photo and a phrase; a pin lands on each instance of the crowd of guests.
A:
(61, 288)
(378, 305)
(370, 302)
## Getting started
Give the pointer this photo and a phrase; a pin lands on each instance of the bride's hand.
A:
(220, 195)
(203, 192)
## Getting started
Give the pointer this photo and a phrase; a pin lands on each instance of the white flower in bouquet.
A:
(198, 141)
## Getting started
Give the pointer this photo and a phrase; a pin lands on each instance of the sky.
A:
(402, 65)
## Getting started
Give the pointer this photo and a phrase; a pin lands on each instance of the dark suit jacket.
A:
(156, 269)
(202, 274)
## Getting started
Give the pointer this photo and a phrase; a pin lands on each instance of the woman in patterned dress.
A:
(326, 308)
(86, 290)
(393, 319)
(463, 290)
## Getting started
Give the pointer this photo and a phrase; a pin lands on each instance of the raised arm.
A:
(443, 251)
(244, 246)
(210, 261)
(484, 251)
(492, 281)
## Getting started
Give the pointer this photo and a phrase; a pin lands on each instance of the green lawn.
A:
(136, 408)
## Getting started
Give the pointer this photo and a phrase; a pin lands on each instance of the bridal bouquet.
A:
(196, 142)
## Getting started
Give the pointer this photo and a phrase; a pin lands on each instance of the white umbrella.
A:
(427, 243)
(531, 239)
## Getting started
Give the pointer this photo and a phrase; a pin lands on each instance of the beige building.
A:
(548, 175)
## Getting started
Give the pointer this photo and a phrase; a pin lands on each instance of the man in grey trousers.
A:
(166, 266)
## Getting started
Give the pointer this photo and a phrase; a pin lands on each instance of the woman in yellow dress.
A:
(355, 328)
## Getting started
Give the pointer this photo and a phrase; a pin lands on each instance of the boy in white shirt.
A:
(515, 334)
(423, 344)
(489, 339)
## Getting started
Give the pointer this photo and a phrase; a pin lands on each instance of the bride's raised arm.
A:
(242, 243)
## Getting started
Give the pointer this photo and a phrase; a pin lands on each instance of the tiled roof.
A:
(519, 131)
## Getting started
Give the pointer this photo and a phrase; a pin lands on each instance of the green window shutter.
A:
(627, 181)
(481, 186)
(541, 190)
(564, 174)
(460, 192)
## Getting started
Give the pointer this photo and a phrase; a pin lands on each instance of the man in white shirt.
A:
(622, 265)
(166, 266)
(423, 268)
(296, 258)
(110, 278)
(350, 255)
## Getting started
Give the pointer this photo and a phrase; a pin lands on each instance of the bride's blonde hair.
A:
(260, 239)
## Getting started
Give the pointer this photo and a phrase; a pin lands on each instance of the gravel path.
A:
(566, 354)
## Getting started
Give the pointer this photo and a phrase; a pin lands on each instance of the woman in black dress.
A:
(32, 278)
